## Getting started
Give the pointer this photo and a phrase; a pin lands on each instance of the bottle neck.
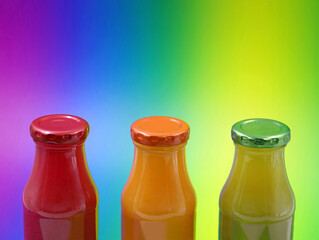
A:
(159, 161)
(259, 159)
(259, 164)
(159, 168)
(247, 154)
(60, 156)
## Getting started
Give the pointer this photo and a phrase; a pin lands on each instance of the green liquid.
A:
(230, 229)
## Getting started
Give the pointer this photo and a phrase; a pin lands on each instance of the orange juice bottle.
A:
(257, 202)
(158, 200)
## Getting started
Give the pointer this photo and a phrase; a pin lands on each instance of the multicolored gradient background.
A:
(210, 63)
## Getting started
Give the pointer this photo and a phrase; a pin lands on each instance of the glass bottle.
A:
(60, 198)
(257, 202)
(158, 200)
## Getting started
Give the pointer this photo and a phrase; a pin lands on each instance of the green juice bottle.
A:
(257, 202)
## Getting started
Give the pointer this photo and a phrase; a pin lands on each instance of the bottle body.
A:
(257, 201)
(158, 200)
(60, 198)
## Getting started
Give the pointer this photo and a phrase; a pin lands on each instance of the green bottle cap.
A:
(260, 133)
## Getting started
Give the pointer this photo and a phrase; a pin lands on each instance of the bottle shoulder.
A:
(158, 198)
(262, 202)
(61, 195)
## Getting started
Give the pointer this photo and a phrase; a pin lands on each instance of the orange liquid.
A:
(175, 227)
(158, 201)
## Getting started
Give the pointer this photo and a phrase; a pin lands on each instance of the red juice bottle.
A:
(60, 198)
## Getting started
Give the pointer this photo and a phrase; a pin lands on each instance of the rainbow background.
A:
(210, 63)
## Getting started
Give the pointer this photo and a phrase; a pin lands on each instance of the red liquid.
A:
(80, 226)
(60, 198)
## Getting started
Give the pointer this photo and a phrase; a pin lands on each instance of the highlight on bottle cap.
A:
(160, 131)
(260, 133)
(59, 129)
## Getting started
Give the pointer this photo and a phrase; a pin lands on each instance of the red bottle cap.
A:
(59, 129)
(160, 131)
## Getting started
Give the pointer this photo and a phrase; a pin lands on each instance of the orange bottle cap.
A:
(160, 131)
